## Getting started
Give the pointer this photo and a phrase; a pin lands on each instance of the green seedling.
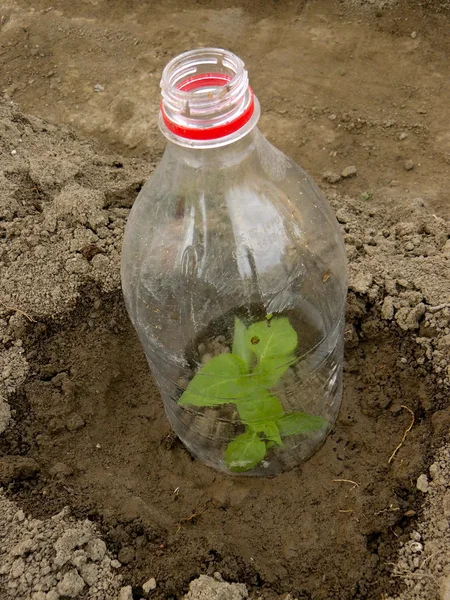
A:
(261, 355)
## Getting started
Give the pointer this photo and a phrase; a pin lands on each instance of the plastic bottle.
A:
(234, 276)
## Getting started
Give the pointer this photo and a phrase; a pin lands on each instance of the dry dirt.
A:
(349, 85)
(356, 82)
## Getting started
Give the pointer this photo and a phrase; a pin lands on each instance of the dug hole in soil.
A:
(84, 425)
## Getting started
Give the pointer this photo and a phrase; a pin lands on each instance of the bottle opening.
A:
(206, 99)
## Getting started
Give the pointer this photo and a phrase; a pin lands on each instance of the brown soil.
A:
(340, 82)
(347, 79)
(325, 530)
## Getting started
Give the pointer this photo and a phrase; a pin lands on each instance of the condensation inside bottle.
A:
(228, 228)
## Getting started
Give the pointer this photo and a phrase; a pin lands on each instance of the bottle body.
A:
(234, 276)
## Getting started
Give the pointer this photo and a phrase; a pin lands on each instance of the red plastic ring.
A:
(212, 133)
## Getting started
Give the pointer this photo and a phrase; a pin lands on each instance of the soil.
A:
(87, 415)
(83, 425)
(341, 83)
(423, 560)
(343, 510)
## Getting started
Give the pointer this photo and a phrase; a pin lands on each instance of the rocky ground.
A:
(53, 253)
(423, 562)
(97, 499)
(63, 210)
(60, 557)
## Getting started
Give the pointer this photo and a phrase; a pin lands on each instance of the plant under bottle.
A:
(230, 227)
(261, 355)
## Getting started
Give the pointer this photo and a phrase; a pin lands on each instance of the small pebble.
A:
(149, 585)
(71, 584)
(331, 177)
(416, 547)
(96, 549)
(13, 152)
(408, 165)
(19, 516)
(422, 483)
(17, 569)
(434, 471)
(126, 593)
(414, 35)
(349, 171)
(24, 547)
(126, 555)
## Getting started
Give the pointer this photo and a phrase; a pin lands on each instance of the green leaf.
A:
(298, 422)
(258, 410)
(268, 339)
(270, 370)
(260, 416)
(223, 379)
(240, 347)
(244, 452)
(271, 433)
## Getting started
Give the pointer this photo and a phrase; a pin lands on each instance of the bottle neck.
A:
(206, 100)
(218, 157)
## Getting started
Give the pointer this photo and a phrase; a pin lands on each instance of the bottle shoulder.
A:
(265, 188)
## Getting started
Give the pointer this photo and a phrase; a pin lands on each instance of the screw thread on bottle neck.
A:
(206, 99)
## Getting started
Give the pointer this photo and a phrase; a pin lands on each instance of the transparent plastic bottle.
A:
(234, 276)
